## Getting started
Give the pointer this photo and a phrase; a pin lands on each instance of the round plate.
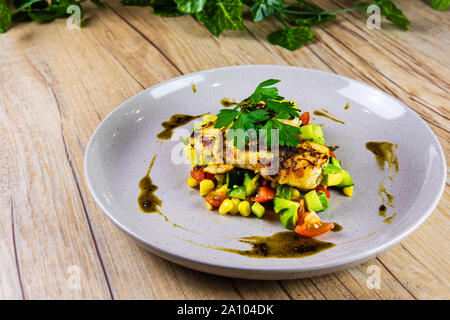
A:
(122, 147)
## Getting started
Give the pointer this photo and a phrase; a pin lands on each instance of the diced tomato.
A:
(304, 231)
(209, 176)
(323, 189)
(215, 198)
(264, 194)
(198, 174)
(305, 118)
(332, 154)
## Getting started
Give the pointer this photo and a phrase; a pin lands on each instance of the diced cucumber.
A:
(249, 188)
(313, 202)
(346, 180)
(238, 192)
(331, 169)
(319, 140)
(323, 200)
(284, 191)
(280, 204)
(235, 177)
(332, 179)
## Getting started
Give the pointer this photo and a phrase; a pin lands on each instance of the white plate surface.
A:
(120, 151)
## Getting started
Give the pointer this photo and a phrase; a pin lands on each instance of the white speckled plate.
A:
(122, 147)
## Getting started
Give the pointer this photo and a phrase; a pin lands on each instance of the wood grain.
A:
(58, 84)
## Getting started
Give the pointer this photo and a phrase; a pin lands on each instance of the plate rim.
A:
(218, 268)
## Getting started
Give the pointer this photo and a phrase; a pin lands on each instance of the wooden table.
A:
(58, 84)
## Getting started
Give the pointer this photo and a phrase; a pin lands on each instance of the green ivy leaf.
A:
(394, 14)
(165, 8)
(441, 5)
(99, 3)
(291, 38)
(57, 9)
(5, 16)
(190, 6)
(139, 3)
(309, 19)
(261, 9)
(220, 15)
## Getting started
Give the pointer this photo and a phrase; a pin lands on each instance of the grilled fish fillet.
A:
(299, 166)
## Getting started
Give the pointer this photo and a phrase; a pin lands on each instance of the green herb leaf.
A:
(5, 16)
(441, 5)
(394, 14)
(225, 118)
(261, 9)
(287, 134)
(220, 15)
(291, 38)
(190, 6)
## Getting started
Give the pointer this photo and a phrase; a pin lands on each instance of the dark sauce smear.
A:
(226, 103)
(326, 114)
(384, 152)
(175, 121)
(148, 201)
(337, 227)
(286, 244)
(382, 210)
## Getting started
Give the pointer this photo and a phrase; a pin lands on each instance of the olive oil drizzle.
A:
(226, 103)
(287, 244)
(386, 158)
(337, 227)
(327, 114)
(347, 106)
(194, 88)
(175, 121)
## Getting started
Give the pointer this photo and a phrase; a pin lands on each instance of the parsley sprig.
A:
(263, 110)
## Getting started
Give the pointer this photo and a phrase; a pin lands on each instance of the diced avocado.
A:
(332, 179)
(289, 217)
(323, 200)
(284, 191)
(312, 132)
(348, 191)
(346, 180)
(313, 202)
(331, 168)
(249, 188)
(235, 177)
(280, 204)
(336, 162)
(258, 209)
(238, 192)
(307, 132)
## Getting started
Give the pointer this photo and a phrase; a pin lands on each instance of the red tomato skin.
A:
(198, 174)
(305, 118)
(264, 194)
(215, 198)
(324, 228)
(209, 176)
(332, 154)
(321, 188)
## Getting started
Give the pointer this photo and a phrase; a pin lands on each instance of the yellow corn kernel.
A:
(348, 191)
(191, 182)
(236, 202)
(226, 206)
(206, 186)
(209, 206)
(244, 208)
(219, 177)
(295, 194)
